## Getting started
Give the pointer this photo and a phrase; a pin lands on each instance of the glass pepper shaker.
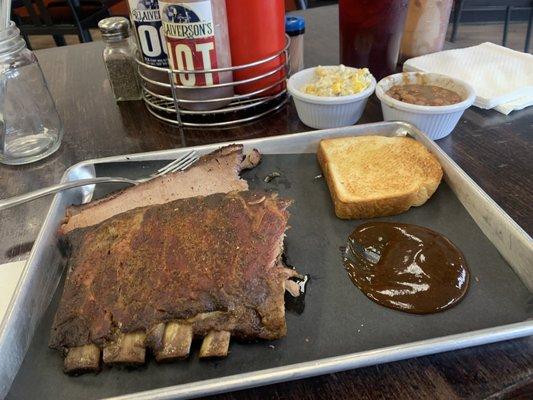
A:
(30, 128)
(119, 58)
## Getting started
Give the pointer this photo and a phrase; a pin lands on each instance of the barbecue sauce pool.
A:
(406, 267)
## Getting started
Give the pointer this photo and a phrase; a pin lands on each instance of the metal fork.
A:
(179, 164)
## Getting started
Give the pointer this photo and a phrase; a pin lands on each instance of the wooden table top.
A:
(495, 150)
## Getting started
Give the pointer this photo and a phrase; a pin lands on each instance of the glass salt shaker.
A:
(119, 58)
(30, 127)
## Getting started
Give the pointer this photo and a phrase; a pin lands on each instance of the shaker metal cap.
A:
(114, 28)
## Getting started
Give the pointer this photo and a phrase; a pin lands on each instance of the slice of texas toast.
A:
(374, 176)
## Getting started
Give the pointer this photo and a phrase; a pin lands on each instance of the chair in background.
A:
(459, 8)
(59, 17)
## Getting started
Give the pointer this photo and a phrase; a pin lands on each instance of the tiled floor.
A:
(468, 35)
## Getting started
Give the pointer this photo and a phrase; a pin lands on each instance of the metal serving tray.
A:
(339, 327)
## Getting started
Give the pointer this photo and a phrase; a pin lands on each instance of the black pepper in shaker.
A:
(119, 58)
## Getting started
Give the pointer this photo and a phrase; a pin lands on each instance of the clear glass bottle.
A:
(30, 128)
(119, 58)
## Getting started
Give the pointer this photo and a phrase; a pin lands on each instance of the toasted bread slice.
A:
(375, 176)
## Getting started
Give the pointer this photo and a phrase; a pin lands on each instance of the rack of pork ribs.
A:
(190, 254)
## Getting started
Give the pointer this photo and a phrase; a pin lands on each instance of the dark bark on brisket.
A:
(216, 172)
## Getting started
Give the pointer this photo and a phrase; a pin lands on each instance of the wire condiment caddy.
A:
(167, 106)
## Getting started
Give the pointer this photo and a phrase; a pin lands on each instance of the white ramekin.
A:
(436, 121)
(326, 112)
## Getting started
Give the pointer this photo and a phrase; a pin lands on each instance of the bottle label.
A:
(190, 36)
(147, 21)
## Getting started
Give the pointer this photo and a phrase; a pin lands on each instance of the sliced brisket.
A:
(217, 172)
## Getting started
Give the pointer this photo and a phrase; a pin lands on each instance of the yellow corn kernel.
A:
(310, 89)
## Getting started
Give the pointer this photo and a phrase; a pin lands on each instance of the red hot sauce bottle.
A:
(196, 32)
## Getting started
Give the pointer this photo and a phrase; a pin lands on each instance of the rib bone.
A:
(292, 287)
(215, 344)
(177, 341)
(291, 273)
(154, 337)
(129, 348)
(82, 359)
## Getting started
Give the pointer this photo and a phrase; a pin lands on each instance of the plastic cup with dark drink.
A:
(371, 33)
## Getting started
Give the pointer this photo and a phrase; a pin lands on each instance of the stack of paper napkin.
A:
(10, 274)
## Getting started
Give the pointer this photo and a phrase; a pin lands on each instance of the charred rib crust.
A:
(210, 262)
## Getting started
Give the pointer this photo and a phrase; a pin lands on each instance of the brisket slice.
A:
(204, 266)
(217, 172)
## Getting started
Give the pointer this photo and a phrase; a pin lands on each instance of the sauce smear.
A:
(406, 267)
